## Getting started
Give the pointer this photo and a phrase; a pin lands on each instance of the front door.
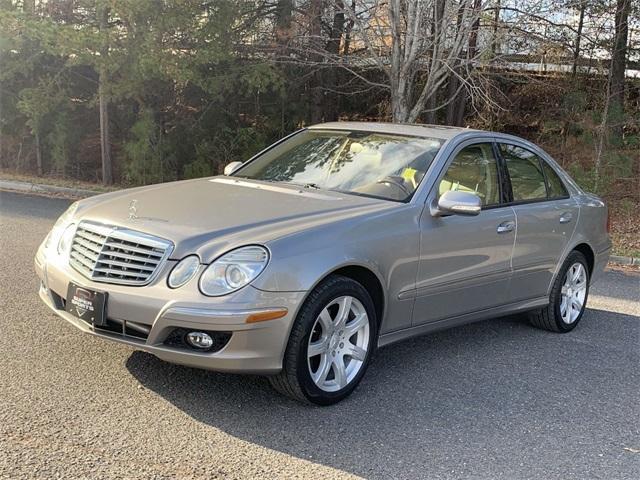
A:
(465, 261)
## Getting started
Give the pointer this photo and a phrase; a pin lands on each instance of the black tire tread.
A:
(543, 319)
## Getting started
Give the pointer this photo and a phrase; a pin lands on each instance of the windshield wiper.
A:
(314, 186)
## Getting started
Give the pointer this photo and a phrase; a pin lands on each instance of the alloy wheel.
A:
(573, 293)
(338, 343)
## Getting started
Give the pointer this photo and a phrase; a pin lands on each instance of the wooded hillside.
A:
(143, 91)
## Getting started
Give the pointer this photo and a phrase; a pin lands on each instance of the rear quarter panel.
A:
(592, 230)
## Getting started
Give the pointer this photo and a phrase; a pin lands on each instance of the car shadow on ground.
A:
(491, 392)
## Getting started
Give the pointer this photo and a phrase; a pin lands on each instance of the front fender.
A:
(386, 243)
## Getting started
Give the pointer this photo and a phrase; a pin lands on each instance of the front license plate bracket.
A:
(87, 304)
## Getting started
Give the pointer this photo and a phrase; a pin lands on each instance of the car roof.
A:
(414, 129)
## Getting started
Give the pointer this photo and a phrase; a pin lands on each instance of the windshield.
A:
(365, 163)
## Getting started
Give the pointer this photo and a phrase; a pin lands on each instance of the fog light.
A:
(199, 340)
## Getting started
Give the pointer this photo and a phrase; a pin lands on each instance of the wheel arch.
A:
(365, 276)
(588, 253)
(581, 246)
(370, 282)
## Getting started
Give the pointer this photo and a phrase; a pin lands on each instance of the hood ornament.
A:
(133, 210)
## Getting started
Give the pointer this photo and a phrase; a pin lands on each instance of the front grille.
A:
(109, 254)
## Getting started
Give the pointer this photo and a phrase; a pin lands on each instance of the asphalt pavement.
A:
(492, 400)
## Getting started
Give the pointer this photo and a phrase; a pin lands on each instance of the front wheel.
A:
(330, 344)
(568, 297)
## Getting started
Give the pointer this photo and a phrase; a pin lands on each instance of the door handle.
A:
(506, 227)
(566, 217)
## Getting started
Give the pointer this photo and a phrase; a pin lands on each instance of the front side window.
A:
(363, 163)
(525, 171)
(474, 169)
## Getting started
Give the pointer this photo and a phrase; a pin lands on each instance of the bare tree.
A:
(582, 6)
(457, 96)
(410, 48)
(433, 59)
(436, 25)
(336, 34)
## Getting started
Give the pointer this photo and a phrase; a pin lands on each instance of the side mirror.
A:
(232, 167)
(457, 203)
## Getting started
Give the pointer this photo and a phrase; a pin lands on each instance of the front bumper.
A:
(148, 315)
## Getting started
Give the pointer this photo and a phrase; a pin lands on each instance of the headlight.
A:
(233, 270)
(183, 271)
(59, 228)
(64, 245)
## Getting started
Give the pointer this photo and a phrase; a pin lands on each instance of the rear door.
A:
(546, 217)
(465, 261)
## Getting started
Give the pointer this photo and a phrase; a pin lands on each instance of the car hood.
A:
(211, 215)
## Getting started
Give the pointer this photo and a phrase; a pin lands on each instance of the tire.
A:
(313, 332)
(563, 317)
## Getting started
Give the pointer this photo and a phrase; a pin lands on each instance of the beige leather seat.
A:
(467, 173)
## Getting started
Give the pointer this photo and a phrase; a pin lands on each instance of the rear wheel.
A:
(568, 297)
(330, 344)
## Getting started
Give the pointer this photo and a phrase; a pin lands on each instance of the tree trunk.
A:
(576, 49)
(337, 29)
(496, 24)
(453, 84)
(602, 134)
(283, 31)
(105, 146)
(29, 7)
(618, 66)
(331, 76)
(38, 154)
(347, 31)
(401, 86)
(438, 12)
(315, 84)
(457, 108)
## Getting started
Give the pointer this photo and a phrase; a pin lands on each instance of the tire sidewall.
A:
(308, 315)
(556, 298)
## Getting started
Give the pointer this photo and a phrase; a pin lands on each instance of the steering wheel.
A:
(396, 182)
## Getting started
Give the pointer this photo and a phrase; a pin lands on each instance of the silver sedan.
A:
(336, 240)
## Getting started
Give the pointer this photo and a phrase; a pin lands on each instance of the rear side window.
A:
(556, 187)
(525, 171)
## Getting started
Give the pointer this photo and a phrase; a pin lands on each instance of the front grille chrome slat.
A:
(141, 251)
(86, 262)
(126, 265)
(110, 254)
(136, 258)
(118, 273)
(80, 267)
(85, 252)
(97, 239)
(94, 247)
